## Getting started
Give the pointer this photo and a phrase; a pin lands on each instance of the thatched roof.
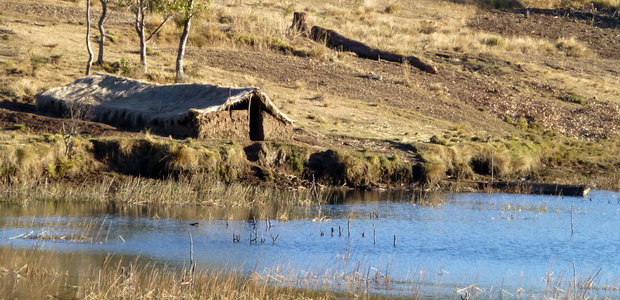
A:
(111, 97)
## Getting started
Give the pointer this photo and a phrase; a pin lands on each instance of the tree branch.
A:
(159, 27)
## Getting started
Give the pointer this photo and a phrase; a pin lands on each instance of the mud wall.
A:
(234, 124)
(185, 127)
(276, 130)
(231, 124)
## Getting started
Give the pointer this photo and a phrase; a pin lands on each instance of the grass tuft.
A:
(571, 97)
(392, 7)
(493, 41)
(118, 278)
(573, 48)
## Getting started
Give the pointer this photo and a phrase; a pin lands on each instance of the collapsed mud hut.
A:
(181, 110)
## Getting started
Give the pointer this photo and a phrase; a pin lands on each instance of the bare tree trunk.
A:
(183, 42)
(161, 25)
(90, 50)
(140, 9)
(104, 15)
(300, 25)
(140, 29)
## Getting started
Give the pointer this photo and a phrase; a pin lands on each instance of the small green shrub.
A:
(126, 67)
(233, 162)
(435, 169)
(246, 39)
(123, 66)
(573, 98)
(493, 41)
(113, 38)
(36, 61)
(438, 140)
(152, 52)
(58, 168)
(19, 126)
(522, 123)
(294, 156)
(51, 138)
(280, 44)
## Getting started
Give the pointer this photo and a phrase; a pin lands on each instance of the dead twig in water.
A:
(374, 234)
(192, 264)
(572, 226)
(274, 239)
(349, 228)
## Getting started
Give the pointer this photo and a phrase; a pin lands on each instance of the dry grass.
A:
(142, 191)
(27, 162)
(477, 42)
(118, 278)
(298, 84)
(392, 7)
(73, 231)
(502, 159)
(391, 27)
(572, 3)
(546, 4)
(115, 277)
(184, 159)
(24, 87)
(361, 169)
(28, 157)
(573, 48)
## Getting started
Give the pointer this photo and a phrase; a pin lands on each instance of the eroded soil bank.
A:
(33, 152)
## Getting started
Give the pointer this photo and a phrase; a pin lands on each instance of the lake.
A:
(392, 243)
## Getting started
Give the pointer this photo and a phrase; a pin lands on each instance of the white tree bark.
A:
(180, 74)
(104, 15)
(90, 50)
(140, 29)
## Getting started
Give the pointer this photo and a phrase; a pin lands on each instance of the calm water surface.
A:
(395, 243)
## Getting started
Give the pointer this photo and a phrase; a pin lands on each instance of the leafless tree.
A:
(140, 9)
(76, 112)
(90, 50)
(188, 9)
(102, 33)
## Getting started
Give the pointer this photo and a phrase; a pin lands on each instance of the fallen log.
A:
(335, 40)
(537, 188)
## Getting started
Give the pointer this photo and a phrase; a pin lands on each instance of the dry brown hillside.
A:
(519, 70)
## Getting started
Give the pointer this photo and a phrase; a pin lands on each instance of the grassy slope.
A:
(502, 91)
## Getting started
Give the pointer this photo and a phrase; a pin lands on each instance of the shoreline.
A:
(34, 157)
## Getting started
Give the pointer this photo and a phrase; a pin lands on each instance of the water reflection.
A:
(390, 242)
